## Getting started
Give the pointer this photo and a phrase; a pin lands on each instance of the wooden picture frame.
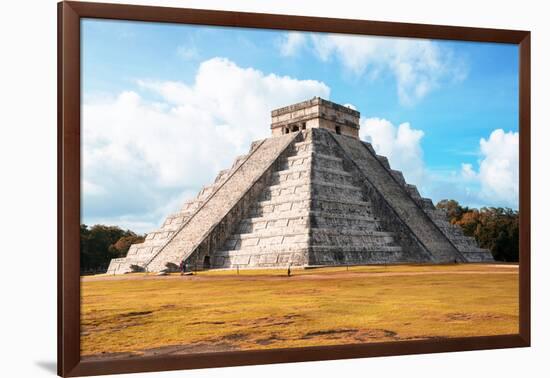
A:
(69, 176)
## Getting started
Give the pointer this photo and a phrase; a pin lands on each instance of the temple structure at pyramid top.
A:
(313, 194)
(315, 113)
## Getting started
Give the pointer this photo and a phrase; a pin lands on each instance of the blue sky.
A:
(445, 112)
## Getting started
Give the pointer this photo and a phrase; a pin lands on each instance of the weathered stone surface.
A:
(203, 229)
(315, 113)
(306, 198)
(377, 173)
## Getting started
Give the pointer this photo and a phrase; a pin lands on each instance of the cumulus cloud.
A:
(418, 66)
(498, 173)
(494, 181)
(400, 144)
(142, 158)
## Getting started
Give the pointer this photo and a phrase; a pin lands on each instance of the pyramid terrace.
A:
(313, 194)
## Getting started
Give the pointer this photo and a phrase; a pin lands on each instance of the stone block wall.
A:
(376, 171)
(216, 213)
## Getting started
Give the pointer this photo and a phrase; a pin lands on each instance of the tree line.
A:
(99, 244)
(494, 228)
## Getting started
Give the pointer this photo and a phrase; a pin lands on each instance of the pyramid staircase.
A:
(312, 213)
(199, 215)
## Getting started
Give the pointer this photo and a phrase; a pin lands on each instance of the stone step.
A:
(260, 259)
(323, 255)
(448, 229)
(294, 170)
(295, 160)
(319, 159)
(268, 237)
(346, 222)
(427, 204)
(237, 162)
(478, 256)
(267, 242)
(328, 164)
(316, 147)
(289, 255)
(288, 184)
(222, 175)
(246, 176)
(287, 219)
(302, 213)
(304, 173)
(328, 215)
(336, 191)
(192, 205)
(331, 175)
(160, 234)
(417, 220)
(413, 192)
(346, 238)
(282, 200)
(341, 206)
(284, 231)
(271, 231)
(279, 248)
(176, 221)
(384, 160)
(300, 149)
(297, 234)
(301, 144)
(398, 175)
(318, 203)
(316, 156)
(172, 225)
(206, 191)
(288, 189)
(355, 248)
(319, 219)
(143, 251)
(318, 188)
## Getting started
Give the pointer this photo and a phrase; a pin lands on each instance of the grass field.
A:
(142, 314)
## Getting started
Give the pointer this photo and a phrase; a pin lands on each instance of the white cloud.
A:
(499, 167)
(291, 43)
(467, 172)
(498, 171)
(351, 106)
(494, 183)
(400, 144)
(139, 155)
(418, 66)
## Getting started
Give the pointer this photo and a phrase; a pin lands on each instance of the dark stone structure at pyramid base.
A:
(312, 195)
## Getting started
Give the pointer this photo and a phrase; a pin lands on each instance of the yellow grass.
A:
(220, 310)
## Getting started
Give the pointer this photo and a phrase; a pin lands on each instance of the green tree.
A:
(452, 208)
(494, 228)
(99, 244)
(121, 246)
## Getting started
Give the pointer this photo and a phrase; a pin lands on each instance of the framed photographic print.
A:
(240, 188)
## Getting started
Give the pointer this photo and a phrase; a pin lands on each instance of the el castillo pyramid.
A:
(313, 194)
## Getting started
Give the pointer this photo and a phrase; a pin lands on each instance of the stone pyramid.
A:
(311, 195)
